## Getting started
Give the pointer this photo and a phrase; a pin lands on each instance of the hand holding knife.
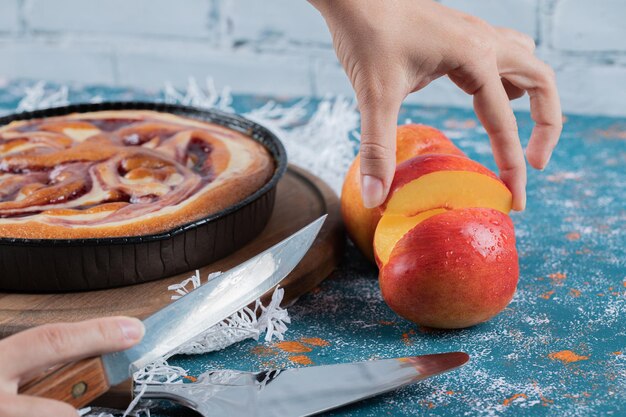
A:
(278, 392)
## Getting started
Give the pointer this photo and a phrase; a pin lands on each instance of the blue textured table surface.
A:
(559, 348)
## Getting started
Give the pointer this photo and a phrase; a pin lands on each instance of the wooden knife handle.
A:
(76, 383)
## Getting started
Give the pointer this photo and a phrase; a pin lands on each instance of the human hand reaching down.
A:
(25, 355)
(392, 48)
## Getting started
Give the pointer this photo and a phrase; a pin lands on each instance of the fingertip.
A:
(542, 142)
(515, 180)
(519, 202)
(519, 195)
(537, 161)
(132, 329)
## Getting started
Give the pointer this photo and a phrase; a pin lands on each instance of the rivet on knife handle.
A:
(77, 383)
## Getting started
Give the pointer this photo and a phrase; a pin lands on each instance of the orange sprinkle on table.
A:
(557, 278)
(573, 236)
(191, 378)
(428, 404)
(508, 401)
(301, 360)
(613, 132)
(315, 341)
(574, 292)
(547, 295)
(617, 353)
(263, 351)
(406, 337)
(293, 347)
(567, 356)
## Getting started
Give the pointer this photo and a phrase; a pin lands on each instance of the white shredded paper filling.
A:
(324, 142)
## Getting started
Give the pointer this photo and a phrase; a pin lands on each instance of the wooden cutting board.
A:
(301, 198)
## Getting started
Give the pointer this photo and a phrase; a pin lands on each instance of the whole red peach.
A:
(453, 270)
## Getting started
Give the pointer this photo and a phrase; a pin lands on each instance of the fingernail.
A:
(132, 329)
(372, 190)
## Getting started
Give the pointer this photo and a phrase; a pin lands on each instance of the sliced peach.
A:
(390, 230)
(411, 140)
(445, 181)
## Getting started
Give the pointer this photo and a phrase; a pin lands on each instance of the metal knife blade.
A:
(300, 391)
(211, 303)
(308, 391)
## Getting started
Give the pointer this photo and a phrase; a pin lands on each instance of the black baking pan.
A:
(61, 265)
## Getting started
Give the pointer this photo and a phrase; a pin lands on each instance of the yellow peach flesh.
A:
(392, 227)
(450, 190)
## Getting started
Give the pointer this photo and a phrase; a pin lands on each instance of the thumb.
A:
(35, 350)
(379, 119)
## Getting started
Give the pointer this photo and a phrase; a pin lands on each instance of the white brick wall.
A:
(592, 26)
(286, 22)
(65, 62)
(520, 15)
(9, 16)
(283, 46)
(243, 71)
(601, 87)
(187, 18)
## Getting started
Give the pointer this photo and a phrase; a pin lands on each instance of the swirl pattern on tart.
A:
(121, 173)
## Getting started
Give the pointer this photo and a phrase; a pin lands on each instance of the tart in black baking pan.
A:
(102, 195)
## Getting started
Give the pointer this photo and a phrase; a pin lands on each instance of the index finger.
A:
(492, 107)
(545, 110)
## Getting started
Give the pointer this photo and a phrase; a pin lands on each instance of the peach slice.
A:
(390, 230)
(445, 181)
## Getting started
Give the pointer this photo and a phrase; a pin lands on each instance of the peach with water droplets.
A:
(452, 269)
